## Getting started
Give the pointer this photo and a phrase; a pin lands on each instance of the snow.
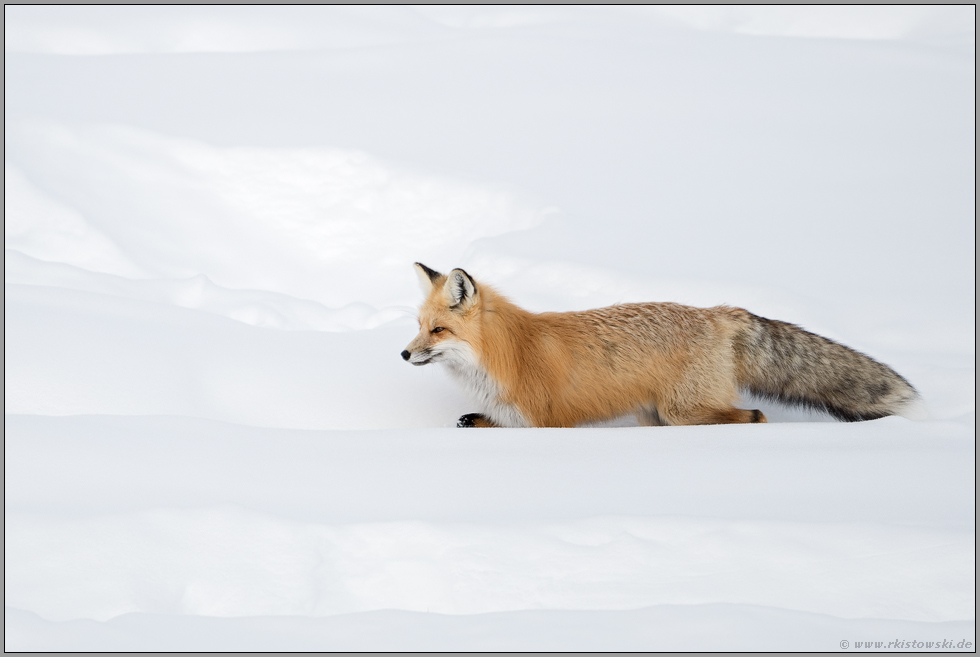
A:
(211, 441)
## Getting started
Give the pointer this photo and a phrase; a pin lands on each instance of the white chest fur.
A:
(464, 366)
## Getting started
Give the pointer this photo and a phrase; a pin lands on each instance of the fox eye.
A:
(438, 329)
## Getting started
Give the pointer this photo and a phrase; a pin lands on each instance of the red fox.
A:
(665, 363)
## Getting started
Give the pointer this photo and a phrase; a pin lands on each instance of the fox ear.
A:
(427, 278)
(460, 289)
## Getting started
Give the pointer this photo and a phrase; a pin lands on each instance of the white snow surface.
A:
(211, 442)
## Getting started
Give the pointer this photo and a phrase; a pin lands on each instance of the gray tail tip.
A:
(914, 409)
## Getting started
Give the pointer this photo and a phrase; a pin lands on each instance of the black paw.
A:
(469, 420)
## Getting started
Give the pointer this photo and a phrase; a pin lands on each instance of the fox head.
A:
(448, 318)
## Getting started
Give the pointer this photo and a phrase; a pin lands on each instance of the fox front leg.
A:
(478, 420)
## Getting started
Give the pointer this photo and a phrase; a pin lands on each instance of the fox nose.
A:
(406, 354)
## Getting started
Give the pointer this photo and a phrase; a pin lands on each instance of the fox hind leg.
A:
(739, 416)
(729, 415)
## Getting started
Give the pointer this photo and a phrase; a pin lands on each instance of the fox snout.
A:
(417, 356)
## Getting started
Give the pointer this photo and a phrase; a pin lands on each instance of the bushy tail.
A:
(784, 363)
